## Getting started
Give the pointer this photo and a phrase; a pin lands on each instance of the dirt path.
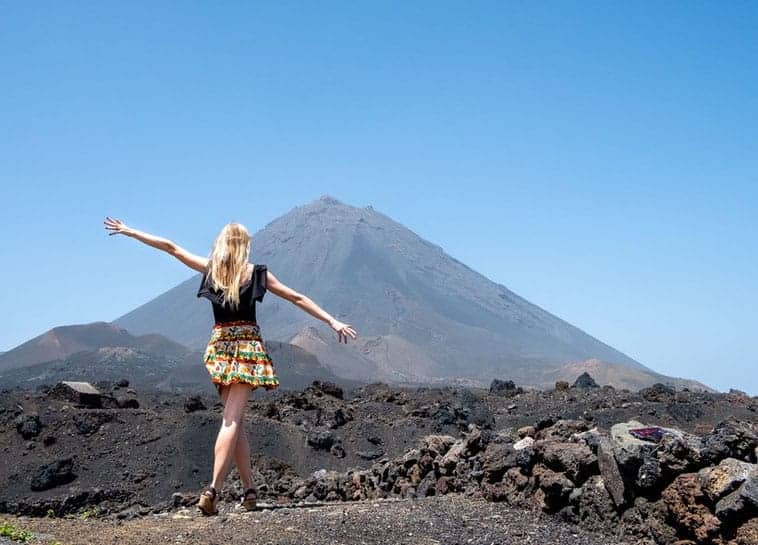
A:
(447, 520)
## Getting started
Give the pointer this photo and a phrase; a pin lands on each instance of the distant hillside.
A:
(63, 341)
(618, 376)
(148, 361)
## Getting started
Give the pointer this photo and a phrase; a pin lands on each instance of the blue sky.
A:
(599, 159)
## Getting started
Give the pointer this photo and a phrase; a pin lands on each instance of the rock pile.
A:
(680, 488)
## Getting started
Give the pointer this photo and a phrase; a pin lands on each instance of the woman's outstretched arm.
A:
(118, 227)
(304, 302)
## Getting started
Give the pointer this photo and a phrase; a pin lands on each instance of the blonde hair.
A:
(227, 262)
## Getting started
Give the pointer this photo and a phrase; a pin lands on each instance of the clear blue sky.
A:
(600, 160)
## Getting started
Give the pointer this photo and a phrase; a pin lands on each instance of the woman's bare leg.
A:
(226, 442)
(241, 450)
(242, 459)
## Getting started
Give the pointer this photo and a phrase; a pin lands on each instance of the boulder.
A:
(628, 450)
(28, 425)
(747, 534)
(53, 474)
(526, 431)
(562, 386)
(497, 458)
(720, 480)
(585, 381)
(555, 487)
(563, 429)
(659, 393)
(127, 402)
(612, 479)
(82, 393)
(575, 460)
(426, 487)
(89, 422)
(452, 456)
(524, 443)
(646, 522)
(677, 453)
(505, 388)
(730, 439)
(514, 488)
(649, 474)
(193, 404)
(688, 508)
(591, 506)
(321, 439)
(742, 503)
(324, 387)
(591, 438)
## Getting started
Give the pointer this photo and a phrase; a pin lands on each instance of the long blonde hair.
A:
(227, 262)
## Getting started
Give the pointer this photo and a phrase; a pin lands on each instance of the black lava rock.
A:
(54, 474)
(584, 381)
(321, 439)
(28, 425)
(505, 388)
(194, 403)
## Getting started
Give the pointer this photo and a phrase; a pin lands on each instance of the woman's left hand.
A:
(343, 330)
(116, 226)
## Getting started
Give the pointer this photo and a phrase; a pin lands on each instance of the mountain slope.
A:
(618, 376)
(63, 341)
(420, 313)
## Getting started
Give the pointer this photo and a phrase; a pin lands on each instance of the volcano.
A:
(422, 315)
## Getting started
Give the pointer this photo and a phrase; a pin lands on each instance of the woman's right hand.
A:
(116, 226)
(343, 330)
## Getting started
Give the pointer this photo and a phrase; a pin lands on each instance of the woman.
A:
(235, 355)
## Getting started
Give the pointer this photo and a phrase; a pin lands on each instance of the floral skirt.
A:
(236, 354)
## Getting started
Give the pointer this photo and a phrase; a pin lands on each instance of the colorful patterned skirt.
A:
(236, 354)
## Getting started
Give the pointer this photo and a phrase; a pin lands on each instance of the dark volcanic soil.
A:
(448, 520)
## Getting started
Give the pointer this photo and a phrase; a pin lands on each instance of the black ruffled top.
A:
(251, 292)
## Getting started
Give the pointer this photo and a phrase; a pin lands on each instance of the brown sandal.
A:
(208, 500)
(249, 499)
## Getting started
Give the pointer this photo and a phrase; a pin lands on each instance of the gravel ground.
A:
(448, 520)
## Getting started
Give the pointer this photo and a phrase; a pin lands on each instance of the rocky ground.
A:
(563, 455)
(448, 520)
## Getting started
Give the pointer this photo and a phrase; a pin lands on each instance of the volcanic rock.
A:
(591, 506)
(28, 425)
(743, 502)
(731, 439)
(438, 444)
(722, 479)
(562, 430)
(612, 478)
(524, 443)
(659, 393)
(82, 393)
(584, 381)
(53, 474)
(324, 387)
(688, 507)
(505, 388)
(575, 460)
(555, 487)
(194, 403)
(321, 439)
